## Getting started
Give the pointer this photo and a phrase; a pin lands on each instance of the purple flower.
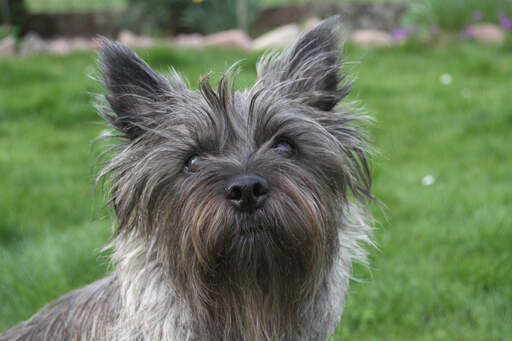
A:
(399, 33)
(505, 22)
(466, 34)
(478, 15)
(402, 32)
(434, 29)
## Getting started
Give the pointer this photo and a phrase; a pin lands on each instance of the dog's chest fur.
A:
(153, 311)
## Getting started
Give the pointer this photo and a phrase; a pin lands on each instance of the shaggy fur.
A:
(189, 265)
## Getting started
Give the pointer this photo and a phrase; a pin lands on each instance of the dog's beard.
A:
(248, 275)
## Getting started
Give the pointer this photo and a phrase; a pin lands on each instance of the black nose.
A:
(247, 192)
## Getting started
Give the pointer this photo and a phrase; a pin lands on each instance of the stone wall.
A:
(90, 24)
(354, 16)
(384, 16)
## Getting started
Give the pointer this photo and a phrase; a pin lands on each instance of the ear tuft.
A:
(310, 69)
(133, 86)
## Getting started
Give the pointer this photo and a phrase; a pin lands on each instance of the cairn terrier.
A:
(239, 213)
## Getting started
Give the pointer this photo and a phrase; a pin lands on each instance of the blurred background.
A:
(435, 74)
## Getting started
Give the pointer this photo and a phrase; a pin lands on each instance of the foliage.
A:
(211, 16)
(454, 15)
(13, 15)
(442, 270)
(74, 5)
(8, 30)
(203, 16)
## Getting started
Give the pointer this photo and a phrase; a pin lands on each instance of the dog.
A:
(239, 213)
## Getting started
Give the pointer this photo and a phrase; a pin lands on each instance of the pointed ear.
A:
(134, 89)
(310, 69)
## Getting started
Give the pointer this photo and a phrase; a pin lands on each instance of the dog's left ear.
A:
(310, 69)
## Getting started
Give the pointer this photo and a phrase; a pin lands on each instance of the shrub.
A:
(169, 16)
(212, 16)
(453, 15)
(7, 30)
(13, 16)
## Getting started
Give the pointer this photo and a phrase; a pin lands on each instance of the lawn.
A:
(82, 5)
(442, 270)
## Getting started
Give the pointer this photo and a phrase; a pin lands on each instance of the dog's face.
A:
(237, 190)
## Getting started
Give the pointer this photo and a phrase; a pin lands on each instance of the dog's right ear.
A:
(135, 90)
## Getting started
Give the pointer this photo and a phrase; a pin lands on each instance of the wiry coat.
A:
(189, 266)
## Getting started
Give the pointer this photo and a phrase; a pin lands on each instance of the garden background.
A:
(440, 95)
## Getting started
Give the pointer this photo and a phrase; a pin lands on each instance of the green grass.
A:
(84, 5)
(74, 5)
(442, 270)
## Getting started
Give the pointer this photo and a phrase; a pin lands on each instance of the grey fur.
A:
(188, 266)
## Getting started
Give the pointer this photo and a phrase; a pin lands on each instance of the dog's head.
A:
(238, 193)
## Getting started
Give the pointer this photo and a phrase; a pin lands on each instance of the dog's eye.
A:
(192, 164)
(284, 148)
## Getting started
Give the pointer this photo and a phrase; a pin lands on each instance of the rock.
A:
(189, 40)
(64, 46)
(8, 47)
(145, 41)
(60, 46)
(281, 37)
(96, 44)
(371, 38)
(32, 44)
(311, 23)
(231, 38)
(127, 38)
(81, 44)
(132, 40)
(486, 32)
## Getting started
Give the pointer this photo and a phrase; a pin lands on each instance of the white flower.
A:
(446, 79)
(428, 180)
